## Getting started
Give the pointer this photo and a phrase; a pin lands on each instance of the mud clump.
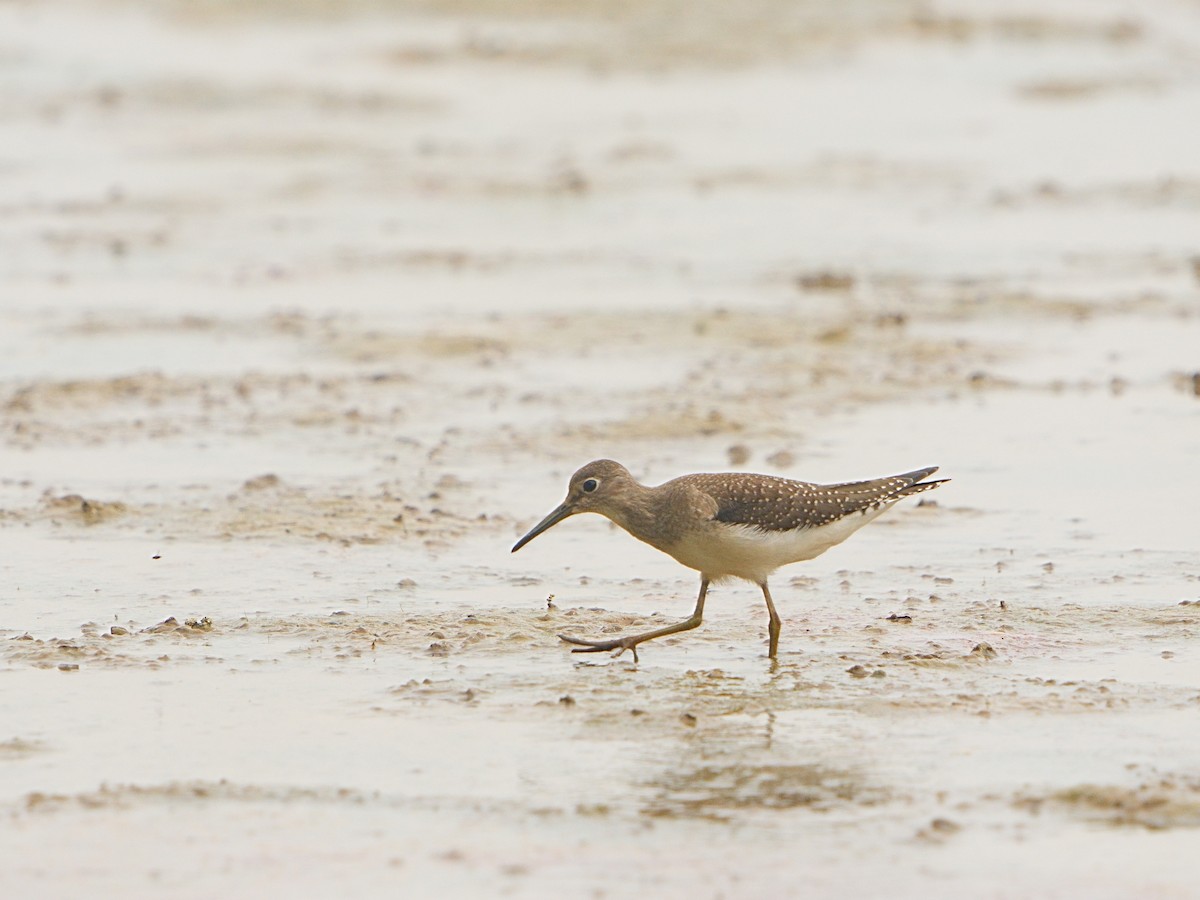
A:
(983, 650)
(718, 791)
(1158, 803)
(19, 748)
(262, 482)
(170, 625)
(75, 508)
(826, 281)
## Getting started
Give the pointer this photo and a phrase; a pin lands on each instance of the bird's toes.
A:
(586, 646)
(620, 645)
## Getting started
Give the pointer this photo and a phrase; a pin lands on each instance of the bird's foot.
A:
(619, 644)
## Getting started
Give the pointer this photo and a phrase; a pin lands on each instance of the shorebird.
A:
(727, 525)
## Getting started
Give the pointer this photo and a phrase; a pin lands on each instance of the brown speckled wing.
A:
(780, 504)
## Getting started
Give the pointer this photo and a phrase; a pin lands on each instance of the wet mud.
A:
(297, 339)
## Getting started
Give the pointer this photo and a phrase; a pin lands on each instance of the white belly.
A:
(742, 551)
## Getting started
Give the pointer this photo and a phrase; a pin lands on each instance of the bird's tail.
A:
(918, 484)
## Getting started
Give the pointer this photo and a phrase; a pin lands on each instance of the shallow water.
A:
(296, 339)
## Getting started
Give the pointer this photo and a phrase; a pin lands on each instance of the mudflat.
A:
(307, 312)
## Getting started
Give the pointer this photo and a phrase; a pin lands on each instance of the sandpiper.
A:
(727, 525)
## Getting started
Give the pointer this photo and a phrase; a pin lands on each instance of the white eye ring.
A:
(590, 485)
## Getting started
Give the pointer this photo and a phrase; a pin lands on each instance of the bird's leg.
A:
(630, 642)
(774, 626)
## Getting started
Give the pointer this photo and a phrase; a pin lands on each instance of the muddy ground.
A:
(308, 311)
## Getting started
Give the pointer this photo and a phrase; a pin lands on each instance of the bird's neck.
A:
(648, 514)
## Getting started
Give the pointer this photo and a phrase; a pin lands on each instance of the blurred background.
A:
(372, 248)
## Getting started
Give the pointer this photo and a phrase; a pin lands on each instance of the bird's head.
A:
(594, 488)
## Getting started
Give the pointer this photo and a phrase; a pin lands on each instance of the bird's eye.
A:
(590, 485)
